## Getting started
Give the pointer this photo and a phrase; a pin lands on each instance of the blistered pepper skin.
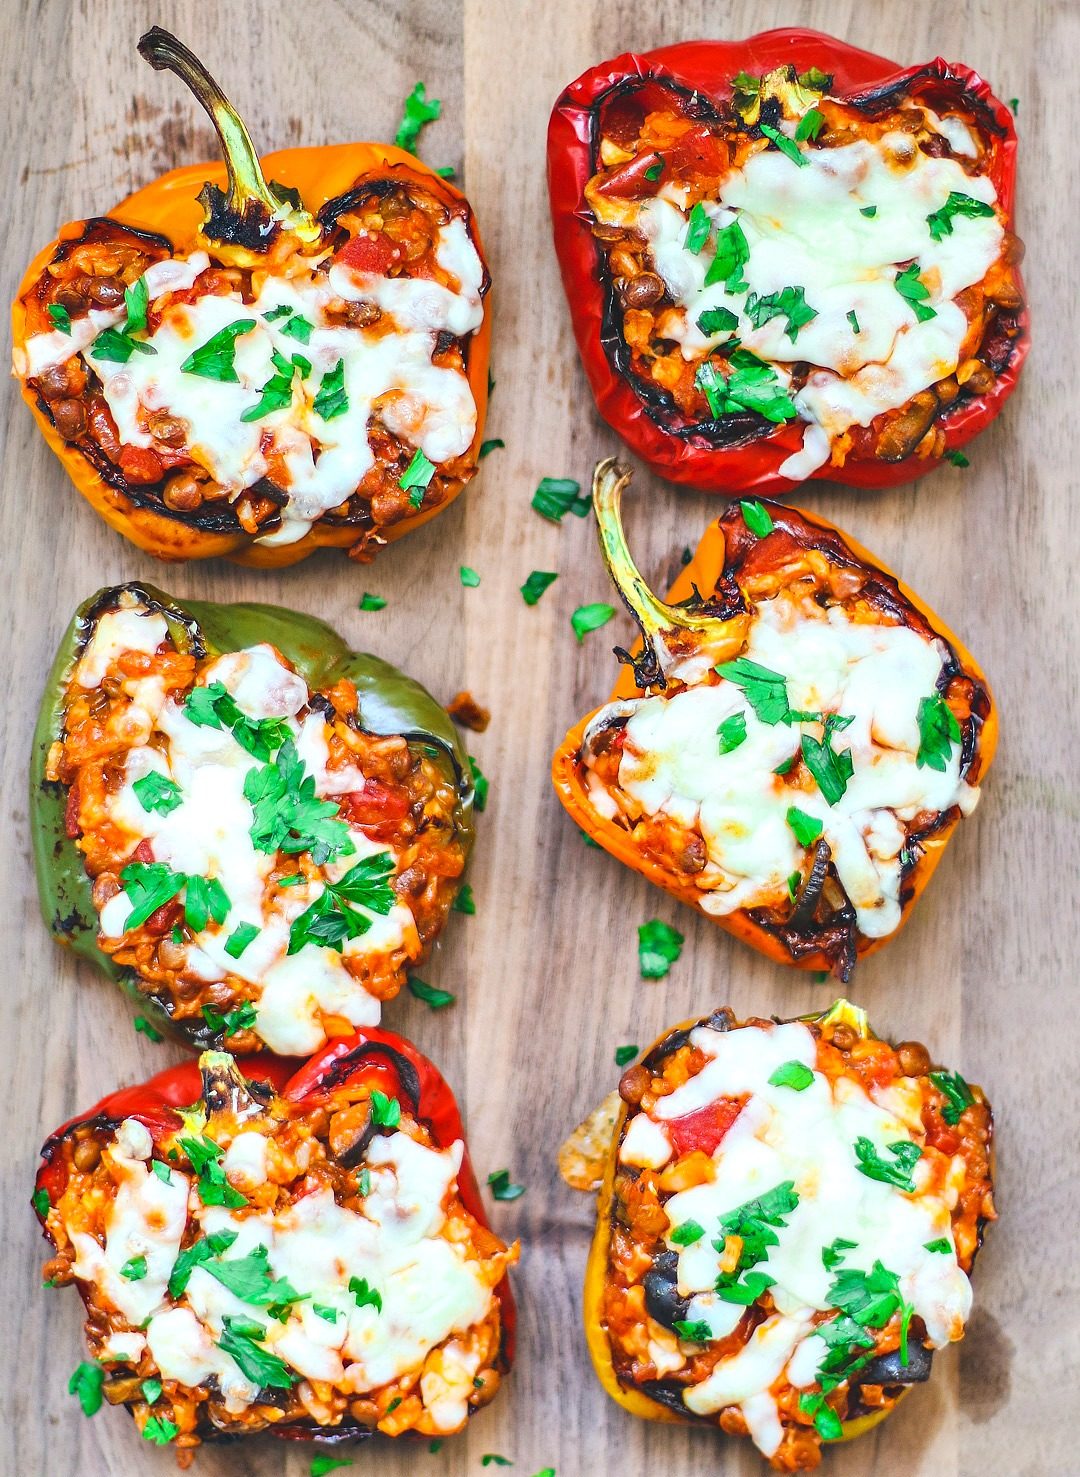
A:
(391, 1061)
(707, 67)
(390, 703)
(170, 207)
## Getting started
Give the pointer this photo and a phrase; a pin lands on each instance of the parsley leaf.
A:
(287, 814)
(464, 901)
(941, 221)
(299, 328)
(588, 618)
(40, 1201)
(320, 1465)
(832, 770)
(833, 1254)
(717, 320)
(659, 946)
(331, 399)
(416, 477)
(149, 885)
(481, 786)
(905, 1157)
(241, 1339)
(914, 292)
(277, 393)
(151, 1391)
(486, 447)
(417, 111)
(757, 518)
(807, 828)
(156, 793)
(766, 690)
(810, 125)
(731, 255)
(958, 1093)
(385, 1111)
(784, 144)
(687, 1233)
(215, 360)
(372, 602)
(938, 731)
(752, 385)
(144, 1028)
(854, 321)
(732, 732)
(469, 577)
(624, 1055)
(328, 922)
(196, 1255)
(136, 302)
(957, 458)
(754, 1224)
(214, 1189)
(942, 1245)
(85, 1384)
(698, 227)
(501, 1186)
(538, 581)
(696, 1331)
(793, 1074)
(160, 1430)
(557, 496)
(60, 317)
(868, 1298)
(869, 211)
(242, 935)
(214, 706)
(205, 898)
(249, 1278)
(789, 303)
(429, 994)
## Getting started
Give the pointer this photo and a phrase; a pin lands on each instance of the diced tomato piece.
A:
(71, 813)
(698, 150)
(705, 1128)
(376, 804)
(144, 852)
(369, 254)
(162, 919)
(140, 464)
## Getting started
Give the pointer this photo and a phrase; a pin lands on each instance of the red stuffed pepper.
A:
(296, 1251)
(787, 258)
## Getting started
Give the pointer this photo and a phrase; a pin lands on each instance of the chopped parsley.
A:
(240, 1019)
(717, 320)
(288, 816)
(698, 228)
(162, 1171)
(324, 1311)
(957, 458)
(895, 1172)
(501, 1186)
(320, 1465)
(588, 618)
(826, 1421)
(151, 1391)
(810, 125)
(277, 393)
(557, 496)
(417, 111)
(215, 360)
(915, 293)
(114, 347)
(832, 770)
(85, 1384)
(942, 1245)
(754, 1224)
(687, 1233)
(149, 886)
(492, 1459)
(331, 399)
(299, 328)
(464, 901)
(329, 922)
(481, 786)
(469, 577)
(833, 1254)
(940, 221)
(807, 828)
(249, 1279)
(654, 171)
(385, 1111)
(752, 385)
(624, 1055)
(429, 994)
(136, 302)
(854, 321)
(731, 255)
(659, 946)
(60, 317)
(160, 1430)
(732, 732)
(242, 935)
(487, 447)
(214, 706)
(789, 303)
(766, 690)
(40, 1199)
(156, 793)
(786, 145)
(416, 477)
(938, 731)
(364, 1295)
(205, 898)
(694, 1332)
(793, 1074)
(757, 518)
(793, 885)
(242, 1338)
(869, 211)
(371, 602)
(144, 1028)
(957, 1092)
(214, 1189)
(538, 581)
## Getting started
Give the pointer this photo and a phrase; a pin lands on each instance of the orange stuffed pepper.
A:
(794, 741)
(296, 360)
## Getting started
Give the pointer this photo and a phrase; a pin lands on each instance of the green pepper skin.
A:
(390, 703)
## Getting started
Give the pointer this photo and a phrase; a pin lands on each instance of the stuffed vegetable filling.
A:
(795, 257)
(270, 1263)
(325, 381)
(796, 1211)
(796, 778)
(264, 867)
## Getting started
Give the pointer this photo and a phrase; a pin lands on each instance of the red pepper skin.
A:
(369, 1054)
(708, 66)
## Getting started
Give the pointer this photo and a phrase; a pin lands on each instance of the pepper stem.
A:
(251, 210)
(226, 1087)
(664, 628)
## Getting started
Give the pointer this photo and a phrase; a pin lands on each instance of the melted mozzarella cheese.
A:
(146, 1219)
(209, 835)
(388, 373)
(806, 1138)
(875, 674)
(803, 226)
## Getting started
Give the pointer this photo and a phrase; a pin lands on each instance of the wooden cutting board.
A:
(546, 972)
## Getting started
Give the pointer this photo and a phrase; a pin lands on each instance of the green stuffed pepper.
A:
(251, 828)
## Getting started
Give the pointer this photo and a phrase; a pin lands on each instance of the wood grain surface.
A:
(546, 972)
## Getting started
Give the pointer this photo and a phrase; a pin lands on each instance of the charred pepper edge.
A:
(635, 1400)
(389, 701)
(316, 175)
(706, 67)
(709, 570)
(156, 1104)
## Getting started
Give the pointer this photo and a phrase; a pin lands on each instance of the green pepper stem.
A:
(251, 207)
(226, 1087)
(664, 628)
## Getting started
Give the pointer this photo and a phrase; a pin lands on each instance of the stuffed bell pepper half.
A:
(787, 1222)
(253, 829)
(261, 1248)
(295, 360)
(786, 258)
(793, 743)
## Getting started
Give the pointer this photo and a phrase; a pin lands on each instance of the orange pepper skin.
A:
(170, 208)
(704, 572)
